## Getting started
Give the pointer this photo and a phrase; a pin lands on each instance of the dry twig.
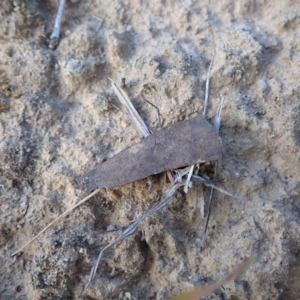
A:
(134, 115)
(58, 218)
(207, 90)
(210, 288)
(54, 38)
(164, 200)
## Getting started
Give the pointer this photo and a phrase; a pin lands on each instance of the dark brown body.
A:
(178, 145)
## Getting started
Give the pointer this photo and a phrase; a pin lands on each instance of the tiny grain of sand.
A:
(59, 119)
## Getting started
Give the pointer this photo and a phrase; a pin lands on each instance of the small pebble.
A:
(18, 289)
(264, 86)
(110, 227)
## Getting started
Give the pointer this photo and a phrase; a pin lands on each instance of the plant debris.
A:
(210, 288)
(178, 145)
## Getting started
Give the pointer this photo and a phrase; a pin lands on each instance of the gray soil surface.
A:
(59, 118)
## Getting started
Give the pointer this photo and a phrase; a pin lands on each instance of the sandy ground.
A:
(59, 118)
